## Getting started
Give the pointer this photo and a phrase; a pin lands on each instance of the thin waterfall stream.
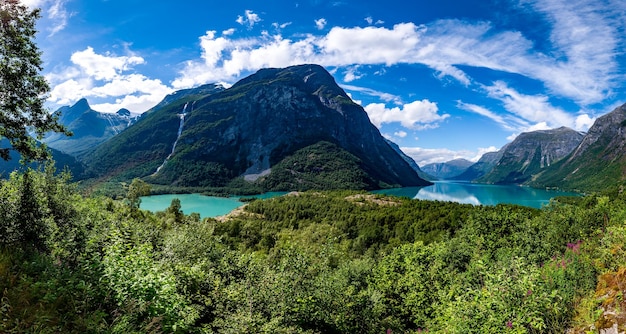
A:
(180, 131)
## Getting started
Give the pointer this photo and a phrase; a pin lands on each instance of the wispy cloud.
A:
(54, 10)
(510, 125)
(571, 68)
(387, 97)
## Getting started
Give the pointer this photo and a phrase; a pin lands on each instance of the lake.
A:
(206, 206)
(461, 192)
(479, 194)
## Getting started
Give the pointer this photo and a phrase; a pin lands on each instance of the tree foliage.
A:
(22, 89)
(314, 262)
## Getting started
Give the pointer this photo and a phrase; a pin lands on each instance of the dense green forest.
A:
(309, 262)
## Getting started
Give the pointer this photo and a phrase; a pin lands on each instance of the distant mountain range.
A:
(89, 127)
(560, 158)
(294, 128)
(447, 170)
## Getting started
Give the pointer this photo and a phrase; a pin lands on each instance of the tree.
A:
(137, 189)
(22, 88)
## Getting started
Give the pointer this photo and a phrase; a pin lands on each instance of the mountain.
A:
(410, 161)
(89, 127)
(598, 162)
(531, 153)
(62, 160)
(447, 170)
(249, 130)
(483, 166)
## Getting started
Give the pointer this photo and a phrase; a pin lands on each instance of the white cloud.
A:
(582, 68)
(107, 77)
(505, 124)
(352, 73)
(321, 23)
(103, 67)
(441, 45)
(584, 122)
(400, 134)
(369, 20)
(570, 67)
(424, 156)
(417, 115)
(279, 26)
(250, 19)
(55, 10)
(532, 108)
(228, 32)
(387, 97)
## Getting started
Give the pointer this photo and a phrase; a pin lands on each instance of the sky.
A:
(443, 79)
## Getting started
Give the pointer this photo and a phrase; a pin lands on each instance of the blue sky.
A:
(443, 79)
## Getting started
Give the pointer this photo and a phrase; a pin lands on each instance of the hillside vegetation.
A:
(312, 262)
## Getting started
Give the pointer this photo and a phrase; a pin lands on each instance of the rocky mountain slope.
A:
(89, 127)
(483, 166)
(599, 161)
(531, 153)
(210, 138)
(447, 170)
(410, 161)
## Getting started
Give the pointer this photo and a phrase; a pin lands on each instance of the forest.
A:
(307, 262)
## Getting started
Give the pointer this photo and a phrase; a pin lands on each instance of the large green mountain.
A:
(532, 153)
(89, 127)
(210, 137)
(598, 162)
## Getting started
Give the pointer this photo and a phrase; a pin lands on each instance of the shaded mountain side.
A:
(247, 129)
(531, 153)
(483, 166)
(597, 163)
(447, 170)
(411, 162)
(62, 161)
(89, 127)
(320, 166)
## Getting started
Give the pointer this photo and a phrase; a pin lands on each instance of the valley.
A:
(354, 219)
(312, 167)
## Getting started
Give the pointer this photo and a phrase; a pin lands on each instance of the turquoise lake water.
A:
(469, 193)
(206, 206)
(479, 194)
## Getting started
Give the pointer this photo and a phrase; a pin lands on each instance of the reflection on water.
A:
(479, 194)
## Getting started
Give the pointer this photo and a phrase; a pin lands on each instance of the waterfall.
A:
(180, 131)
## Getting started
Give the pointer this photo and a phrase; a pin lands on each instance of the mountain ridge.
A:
(531, 153)
(598, 162)
(88, 126)
(249, 128)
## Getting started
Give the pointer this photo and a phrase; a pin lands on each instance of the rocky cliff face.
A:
(88, 126)
(249, 128)
(597, 162)
(447, 170)
(530, 153)
(410, 161)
